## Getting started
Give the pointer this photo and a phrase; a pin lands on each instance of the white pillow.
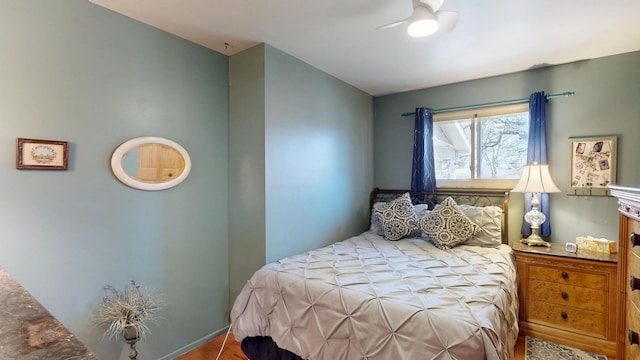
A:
(375, 225)
(489, 218)
(421, 210)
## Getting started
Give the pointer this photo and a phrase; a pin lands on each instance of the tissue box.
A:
(597, 245)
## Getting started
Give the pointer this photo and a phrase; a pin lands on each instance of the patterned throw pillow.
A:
(397, 218)
(446, 226)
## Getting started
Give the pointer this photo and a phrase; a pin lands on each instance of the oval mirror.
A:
(150, 163)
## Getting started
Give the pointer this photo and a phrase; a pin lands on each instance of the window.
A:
(482, 147)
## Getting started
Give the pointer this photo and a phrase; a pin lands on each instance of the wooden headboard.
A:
(466, 197)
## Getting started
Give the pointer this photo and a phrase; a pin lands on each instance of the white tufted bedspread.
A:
(368, 298)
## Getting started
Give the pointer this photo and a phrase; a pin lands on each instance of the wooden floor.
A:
(232, 351)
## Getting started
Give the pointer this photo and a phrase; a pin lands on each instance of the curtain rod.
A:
(504, 102)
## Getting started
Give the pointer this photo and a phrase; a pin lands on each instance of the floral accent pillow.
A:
(398, 219)
(446, 226)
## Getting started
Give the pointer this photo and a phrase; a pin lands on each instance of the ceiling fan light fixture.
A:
(422, 23)
(422, 28)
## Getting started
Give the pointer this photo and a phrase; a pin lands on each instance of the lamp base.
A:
(535, 218)
(535, 240)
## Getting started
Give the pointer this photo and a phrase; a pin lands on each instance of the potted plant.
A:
(128, 313)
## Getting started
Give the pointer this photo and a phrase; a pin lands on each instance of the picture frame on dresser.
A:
(592, 165)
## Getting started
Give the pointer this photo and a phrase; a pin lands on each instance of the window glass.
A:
(485, 144)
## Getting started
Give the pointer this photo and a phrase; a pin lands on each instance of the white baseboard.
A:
(194, 344)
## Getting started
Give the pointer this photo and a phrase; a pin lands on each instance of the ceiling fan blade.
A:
(447, 20)
(393, 24)
(433, 4)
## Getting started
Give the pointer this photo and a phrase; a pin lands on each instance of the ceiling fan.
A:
(426, 19)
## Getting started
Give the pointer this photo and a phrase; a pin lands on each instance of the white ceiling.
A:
(339, 37)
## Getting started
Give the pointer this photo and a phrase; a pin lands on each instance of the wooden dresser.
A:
(569, 298)
(28, 331)
(629, 268)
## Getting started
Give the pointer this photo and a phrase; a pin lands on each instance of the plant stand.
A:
(131, 337)
(133, 353)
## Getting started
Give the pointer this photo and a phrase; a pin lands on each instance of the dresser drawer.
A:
(634, 270)
(633, 323)
(627, 240)
(569, 276)
(566, 317)
(568, 295)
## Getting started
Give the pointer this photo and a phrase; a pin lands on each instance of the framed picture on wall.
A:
(593, 165)
(41, 154)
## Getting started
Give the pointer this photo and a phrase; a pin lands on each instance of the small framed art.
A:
(41, 154)
(593, 165)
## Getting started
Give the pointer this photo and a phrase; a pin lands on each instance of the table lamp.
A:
(535, 179)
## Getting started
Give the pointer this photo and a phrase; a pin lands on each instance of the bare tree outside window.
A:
(503, 144)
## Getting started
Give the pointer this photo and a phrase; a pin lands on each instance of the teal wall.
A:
(77, 72)
(607, 102)
(246, 166)
(312, 177)
(319, 157)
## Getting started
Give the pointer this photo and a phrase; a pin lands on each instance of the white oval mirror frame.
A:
(121, 152)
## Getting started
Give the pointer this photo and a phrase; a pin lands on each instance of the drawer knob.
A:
(564, 316)
(633, 337)
(565, 295)
(635, 239)
(634, 283)
(565, 275)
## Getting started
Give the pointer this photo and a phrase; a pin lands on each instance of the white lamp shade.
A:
(422, 23)
(536, 179)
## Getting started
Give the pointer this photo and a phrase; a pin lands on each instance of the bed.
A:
(376, 296)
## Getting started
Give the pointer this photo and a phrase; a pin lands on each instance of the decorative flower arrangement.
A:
(128, 312)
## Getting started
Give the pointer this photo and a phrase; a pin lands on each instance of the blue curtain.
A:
(423, 177)
(537, 152)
